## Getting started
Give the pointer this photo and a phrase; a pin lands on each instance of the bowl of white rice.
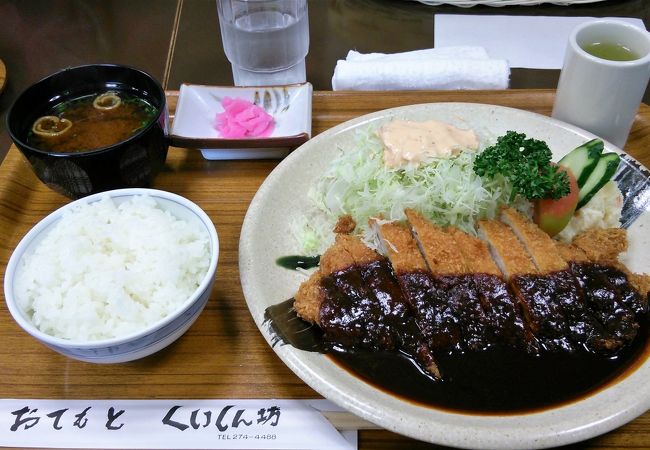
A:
(114, 276)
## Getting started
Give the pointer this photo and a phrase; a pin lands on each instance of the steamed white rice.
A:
(105, 270)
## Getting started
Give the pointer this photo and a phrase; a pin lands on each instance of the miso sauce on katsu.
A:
(495, 380)
(507, 322)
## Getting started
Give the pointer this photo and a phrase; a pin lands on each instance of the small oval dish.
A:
(198, 106)
(70, 288)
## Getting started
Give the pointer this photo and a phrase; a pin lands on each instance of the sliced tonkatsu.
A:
(603, 247)
(439, 292)
(558, 284)
(612, 298)
(453, 276)
(543, 315)
(452, 279)
(356, 301)
(505, 324)
(435, 316)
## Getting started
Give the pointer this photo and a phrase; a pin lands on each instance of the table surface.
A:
(223, 355)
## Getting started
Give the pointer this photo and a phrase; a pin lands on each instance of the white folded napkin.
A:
(461, 67)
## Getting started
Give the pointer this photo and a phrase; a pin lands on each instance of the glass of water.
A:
(266, 41)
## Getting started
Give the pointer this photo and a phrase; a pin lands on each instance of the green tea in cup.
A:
(611, 51)
(604, 77)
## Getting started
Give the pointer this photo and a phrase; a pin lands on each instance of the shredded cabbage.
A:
(447, 191)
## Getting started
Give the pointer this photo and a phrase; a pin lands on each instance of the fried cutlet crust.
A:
(376, 314)
(570, 252)
(539, 245)
(401, 248)
(309, 297)
(358, 251)
(475, 252)
(438, 247)
(336, 257)
(640, 281)
(605, 246)
(346, 251)
(345, 225)
(602, 245)
(508, 253)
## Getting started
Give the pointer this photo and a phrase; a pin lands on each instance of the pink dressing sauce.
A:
(408, 142)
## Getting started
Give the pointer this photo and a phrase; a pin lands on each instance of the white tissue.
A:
(438, 68)
(451, 52)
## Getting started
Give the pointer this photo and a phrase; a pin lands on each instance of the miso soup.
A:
(90, 122)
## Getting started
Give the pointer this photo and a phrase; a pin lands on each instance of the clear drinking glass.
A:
(266, 41)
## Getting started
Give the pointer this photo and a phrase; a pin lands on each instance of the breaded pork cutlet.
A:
(604, 301)
(310, 295)
(570, 253)
(346, 252)
(453, 279)
(604, 246)
(399, 328)
(475, 253)
(640, 282)
(505, 324)
(350, 314)
(437, 246)
(583, 326)
(539, 245)
(401, 248)
(506, 250)
(598, 283)
(542, 315)
(612, 290)
(438, 322)
(357, 302)
(442, 290)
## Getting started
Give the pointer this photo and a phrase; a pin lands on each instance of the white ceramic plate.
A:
(198, 105)
(265, 237)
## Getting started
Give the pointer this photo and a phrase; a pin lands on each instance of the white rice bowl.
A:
(114, 276)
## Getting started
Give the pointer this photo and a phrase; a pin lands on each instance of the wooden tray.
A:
(223, 355)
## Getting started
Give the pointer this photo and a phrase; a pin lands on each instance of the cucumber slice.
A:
(602, 173)
(582, 160)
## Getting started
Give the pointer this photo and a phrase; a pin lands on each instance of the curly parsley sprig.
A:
(526, 164)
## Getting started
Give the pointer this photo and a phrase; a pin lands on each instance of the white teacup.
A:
(602, 95)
